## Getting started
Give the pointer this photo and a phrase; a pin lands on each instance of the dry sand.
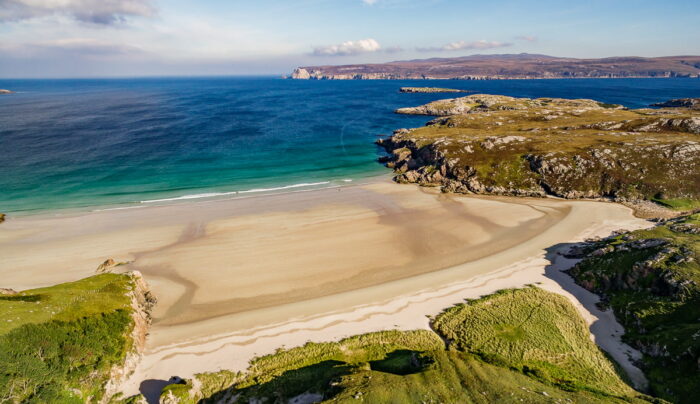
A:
(239, 278)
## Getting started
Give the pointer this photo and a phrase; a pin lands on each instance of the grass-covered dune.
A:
(71, 342)
(516, 346)
(651, 280)
(490, 144)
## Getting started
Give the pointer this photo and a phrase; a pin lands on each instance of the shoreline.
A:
(233, 351)
(199, 197)
(241, 277)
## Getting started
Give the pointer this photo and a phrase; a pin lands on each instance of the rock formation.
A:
(679, 103)
(490, 144)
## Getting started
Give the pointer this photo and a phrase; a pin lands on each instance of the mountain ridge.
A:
(508, 66)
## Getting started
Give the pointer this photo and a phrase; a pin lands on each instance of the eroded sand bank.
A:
(239, 278)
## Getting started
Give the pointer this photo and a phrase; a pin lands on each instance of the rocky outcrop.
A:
(142, 303)
(431, 90)
(7, 292)
(490, 144)
(2, 217)
(106, 266)
(679, 103)
(6, 91)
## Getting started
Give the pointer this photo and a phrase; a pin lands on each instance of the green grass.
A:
(536, 332)
(58, 344)
(658, 304)
(516, 346)
(682, 204)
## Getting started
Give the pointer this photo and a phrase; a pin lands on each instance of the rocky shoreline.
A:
(486, 144)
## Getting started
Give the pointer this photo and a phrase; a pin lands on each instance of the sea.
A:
(92, 144)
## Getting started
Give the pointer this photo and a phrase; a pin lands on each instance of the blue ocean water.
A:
(123, 142)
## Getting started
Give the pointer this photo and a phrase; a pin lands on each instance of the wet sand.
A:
(238, 278)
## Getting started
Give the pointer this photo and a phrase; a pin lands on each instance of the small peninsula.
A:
(693, 103)
(492, 144)
(432, 90)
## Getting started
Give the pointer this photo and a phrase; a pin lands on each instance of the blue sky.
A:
(89, 38)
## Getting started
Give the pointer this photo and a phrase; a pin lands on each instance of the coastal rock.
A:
(106, 266)
(573, 149)
(2, 217)
(7, 292)
(6, 91)
(679, 103)
(431, 90)
(301, 74)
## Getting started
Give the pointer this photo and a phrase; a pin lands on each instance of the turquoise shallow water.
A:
(91, 143)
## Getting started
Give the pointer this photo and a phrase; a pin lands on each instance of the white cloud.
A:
(464, 45)
(528, 38)
(348, 48)
(369, 2)
(103, 12)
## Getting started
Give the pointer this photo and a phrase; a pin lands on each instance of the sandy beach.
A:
(242, 277)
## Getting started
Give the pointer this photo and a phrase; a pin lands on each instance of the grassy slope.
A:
(537, 349)
(57, 339)
(664, 322)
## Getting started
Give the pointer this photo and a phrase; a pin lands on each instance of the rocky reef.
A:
(492, 144)
(432, 90)
(651, 280)
(679, 103)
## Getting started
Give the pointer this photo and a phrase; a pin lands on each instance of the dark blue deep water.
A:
(88, 143)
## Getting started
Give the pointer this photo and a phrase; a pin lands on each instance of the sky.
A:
(123, 38)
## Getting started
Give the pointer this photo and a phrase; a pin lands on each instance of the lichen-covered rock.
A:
(491, 144)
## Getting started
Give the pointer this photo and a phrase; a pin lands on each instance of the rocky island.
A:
(6, 91)
(508, 66)
(491, 144)
(432, 90)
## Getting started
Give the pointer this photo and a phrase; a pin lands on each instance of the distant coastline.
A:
(522, 66)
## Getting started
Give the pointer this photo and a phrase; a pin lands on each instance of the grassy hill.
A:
(64, 343)
(516, 346)
(651, 280)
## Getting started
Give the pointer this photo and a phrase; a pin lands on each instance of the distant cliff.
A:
(521, 66)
